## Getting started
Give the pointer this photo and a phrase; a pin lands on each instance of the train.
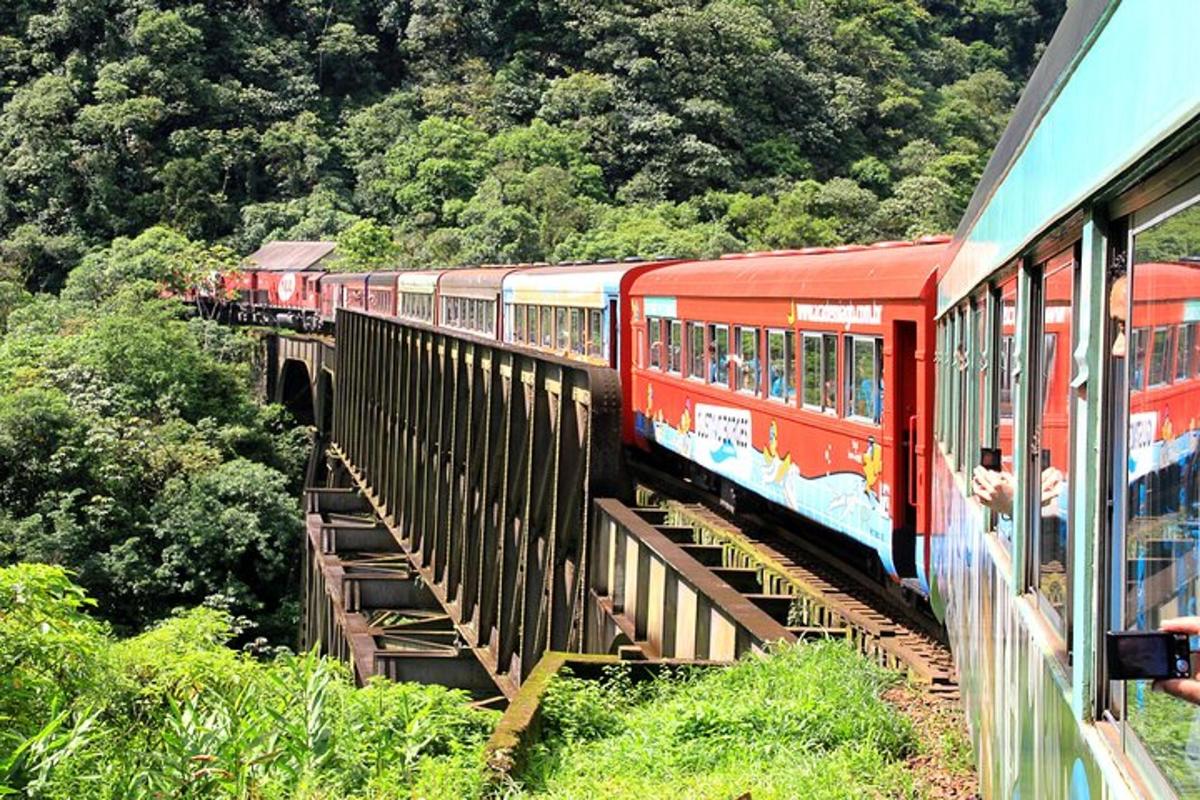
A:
(760, 373)
(1008, 418)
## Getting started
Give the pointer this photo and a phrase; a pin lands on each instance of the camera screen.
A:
(1144, 655)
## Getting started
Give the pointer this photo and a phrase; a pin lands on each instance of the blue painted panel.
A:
(1139, 83)
(660, 307)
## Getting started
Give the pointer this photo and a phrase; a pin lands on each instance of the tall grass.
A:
(806, 722)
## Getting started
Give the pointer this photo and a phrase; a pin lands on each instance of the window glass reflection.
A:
(1163, 472)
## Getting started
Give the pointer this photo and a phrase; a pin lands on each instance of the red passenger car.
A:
(799, 376)
(1163, 349)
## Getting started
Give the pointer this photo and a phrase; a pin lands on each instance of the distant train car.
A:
(334, 294)
(470, 300)
(1163, 350)
(417, 293)
(769, 372)
(381, 293)
(579, 311)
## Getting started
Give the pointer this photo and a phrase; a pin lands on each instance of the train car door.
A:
(612, 333)
(904, 412)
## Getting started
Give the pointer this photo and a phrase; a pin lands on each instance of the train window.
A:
(1159, 357)
(820, 372)
(781, 356)
(1194, 351)
(1050, 521)
(489, 317)
(829, 383)
(718, 355)
(547, 329)
(1183, 349)
(749, 370)
(577, 331)
(1161, 497)
(562, 329)
(812, 371)
(864, 377)
(983, 376)
(595, 347)
(655, 326)
(1137, 373)
(675, 346)
(939, 359)
(524, 320)
(695, 350)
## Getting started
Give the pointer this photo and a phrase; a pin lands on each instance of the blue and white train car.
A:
(1068, 336)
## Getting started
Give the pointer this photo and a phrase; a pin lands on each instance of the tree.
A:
(364, 246)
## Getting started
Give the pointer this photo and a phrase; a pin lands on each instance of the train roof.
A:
(1053, 158)
(300, 256)
(884, 271)
(418, 281)
(344, 277)
(587, 285)
(483, 282)
(1160, 281)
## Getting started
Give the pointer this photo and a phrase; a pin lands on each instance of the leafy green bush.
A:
(174, 712)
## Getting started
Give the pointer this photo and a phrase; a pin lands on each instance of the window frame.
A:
(739, 334)
(675, 351)
(790, 396)
(849, 379)
(654, 337)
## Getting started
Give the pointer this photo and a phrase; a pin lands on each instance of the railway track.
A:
(826, 595)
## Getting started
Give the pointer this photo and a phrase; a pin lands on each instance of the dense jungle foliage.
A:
(133, 452)
(498, 130)
(173, 712)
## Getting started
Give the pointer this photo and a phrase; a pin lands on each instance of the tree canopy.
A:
(476, 130)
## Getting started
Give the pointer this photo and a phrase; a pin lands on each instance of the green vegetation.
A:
(806, 722)
(132, 450)
(174, 712)
(476, 130)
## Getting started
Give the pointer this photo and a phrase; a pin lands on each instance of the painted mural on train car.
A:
(1018, 754)
(838, 480)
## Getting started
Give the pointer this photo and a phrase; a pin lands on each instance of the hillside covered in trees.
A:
(498, 130)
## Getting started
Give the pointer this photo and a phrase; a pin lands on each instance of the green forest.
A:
(474, 131)
(150, 504)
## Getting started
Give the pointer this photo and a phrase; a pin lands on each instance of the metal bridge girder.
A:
(483, 460)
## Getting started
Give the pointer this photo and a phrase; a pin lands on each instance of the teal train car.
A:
(1068, 339)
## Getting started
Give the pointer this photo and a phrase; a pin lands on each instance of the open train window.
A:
(864, 378)
(1183, 350)
(655, 326)
(1137, 350)
(577, 331)
(820, 372)
(547, 329)
(675, 347)
(595, 346)
(1158, 356)
(749, 369)
(718, 355)
(781, 357)
(939, 358)
(562, 329)
(695, 350)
